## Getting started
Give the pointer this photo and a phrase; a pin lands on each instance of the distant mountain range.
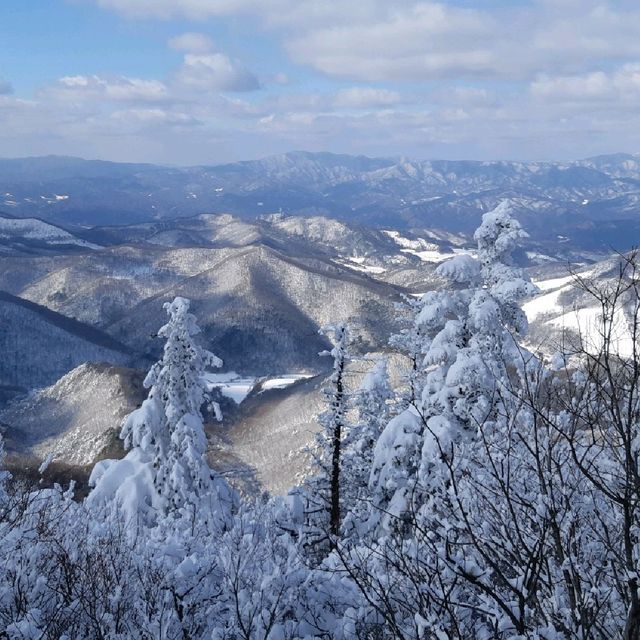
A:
(592, 203)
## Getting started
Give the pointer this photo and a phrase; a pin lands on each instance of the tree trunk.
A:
(335, 458)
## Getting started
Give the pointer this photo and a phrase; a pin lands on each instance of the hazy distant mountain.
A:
(552, 199)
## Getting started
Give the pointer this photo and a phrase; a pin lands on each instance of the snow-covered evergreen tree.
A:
(470, 355)
(166, 465)
(323, 492)
(468, 341)
(372, 403)
(409, 341)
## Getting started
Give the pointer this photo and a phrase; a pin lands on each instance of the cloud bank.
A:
(527, 80)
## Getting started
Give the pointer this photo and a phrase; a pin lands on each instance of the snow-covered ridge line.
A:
(35, 229)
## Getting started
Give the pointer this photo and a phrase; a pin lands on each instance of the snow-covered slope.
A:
(267, 442)
(563, 308)
(260, 308)
(25, 233)
(77, 419)
(39, 345)
(266, 445)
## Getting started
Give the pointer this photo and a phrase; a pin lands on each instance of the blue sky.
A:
(206, 81)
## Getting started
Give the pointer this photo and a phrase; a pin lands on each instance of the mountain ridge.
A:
(376, 192)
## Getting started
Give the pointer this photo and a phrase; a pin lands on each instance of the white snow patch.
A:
(542, 305)
(357, 264)
(555, 283)
(539, 257)
(283, 381)
(233, 385)
(230, 384)
(401, 241)
(586, 321)
(431, 255)
(589, 326)
(426, 251)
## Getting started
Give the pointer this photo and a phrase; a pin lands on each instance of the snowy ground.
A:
(34, 229)
(426, 251)
(358, 264)
(559, 307)
(236, 387)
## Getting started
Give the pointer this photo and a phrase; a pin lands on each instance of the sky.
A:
(207, 81)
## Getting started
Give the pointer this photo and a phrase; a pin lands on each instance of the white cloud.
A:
(209, 128)
(461, 95)
(423, 41)
(116, 89)
(280, 78)
(587, 30)
(136, 118)
(618, 87)
(365, 97)
(417, 40)
(191, 42)
(538, 78)
(273, 12)
(164, 9)
(217, 72)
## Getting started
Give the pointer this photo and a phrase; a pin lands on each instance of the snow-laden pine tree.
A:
(468, 335)
(323, 493)
(409, 341)
(373, 407)
(166, 470)
(469, 357)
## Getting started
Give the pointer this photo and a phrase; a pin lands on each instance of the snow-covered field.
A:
(236, 387)
(358, 264)
(426, 251)
(559, 308)
(283, 381)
